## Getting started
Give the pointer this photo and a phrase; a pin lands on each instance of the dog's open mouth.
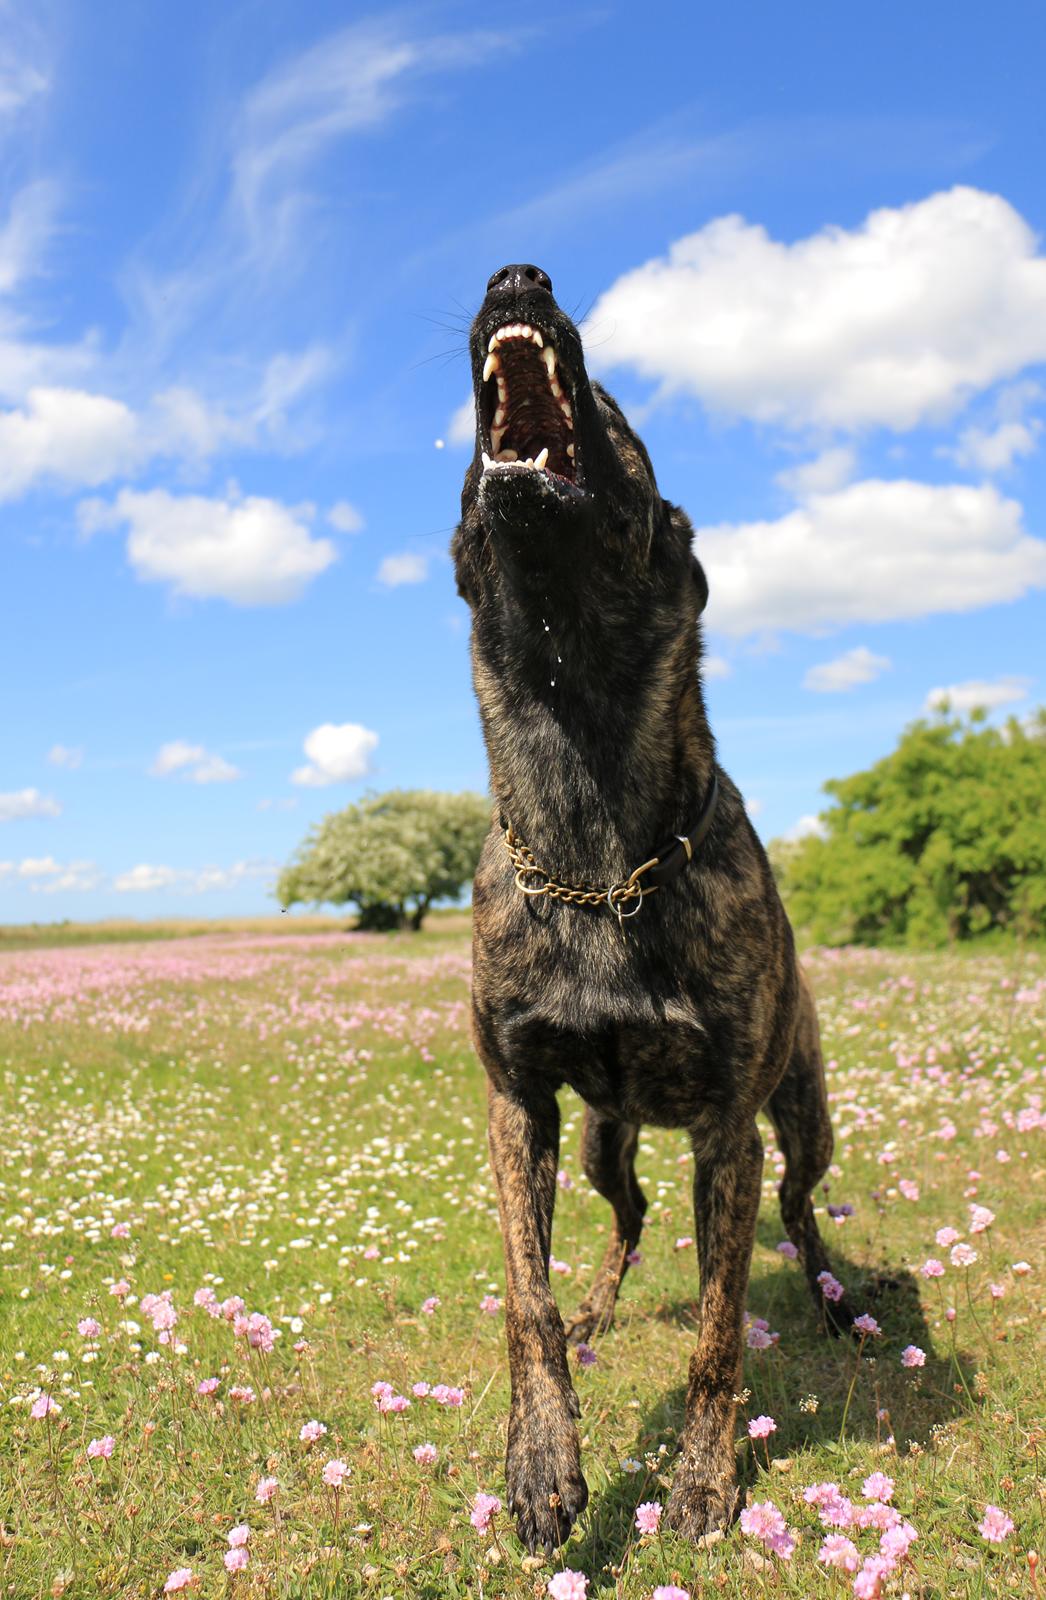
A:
(526, 415)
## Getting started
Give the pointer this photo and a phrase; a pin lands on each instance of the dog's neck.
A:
(596, 732)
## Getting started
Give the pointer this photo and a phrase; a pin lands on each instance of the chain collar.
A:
(669, 861)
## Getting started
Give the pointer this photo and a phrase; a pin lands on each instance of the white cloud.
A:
(461, 429)
(288, 802)
(996, 450)
(146, 878)
(828, 471)
(805, 826)
(67, 435)
(45, 875)
(344, 517)
(406, 568)
(873, 552)
(984, 693)
(753, 806)
(893, 323)
(193, 762)
(338, 753)
(252, 551)
(846, 671)
(20, 803)
(38, 867)
(64, 755)
(715, 667)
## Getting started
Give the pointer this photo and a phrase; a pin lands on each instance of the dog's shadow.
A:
(805, 1384)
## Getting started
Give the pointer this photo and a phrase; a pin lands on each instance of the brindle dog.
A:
(685, 1007)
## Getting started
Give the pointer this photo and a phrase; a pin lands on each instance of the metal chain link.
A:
(579, 894)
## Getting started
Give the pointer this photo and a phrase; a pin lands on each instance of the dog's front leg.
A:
(546, 1491)
(727, 1184)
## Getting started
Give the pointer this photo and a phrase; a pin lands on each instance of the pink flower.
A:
(266, 1490)
(896, 1540)
(335, 1473)
(831, 1288)
(867, 1326)
(371, 1253)
(426, 1455)
(445, 1396)
(586, 1356)
(996, 1290)
(633, 1258)
(394, 1403)
(490, 1304)
(995, 1525)
(837, 1513)
(232, 1307)
(757, 1338)
(484, 1508)
(381, 1390)
(763, 1521)
(236, 1559)
(684, 1242)
(259, 1331)
(670, 1591)
(243, 1393)
(912, 1356)
(761, 1427)
(207, 1385)
(102, 1447)
(88, 1328)
(430, 1306)
(980, 1218)
(648, 1516)
(562, 1267)
(840, 1553)
(1020, 1269)
(877, 1487)
(120, 1288)
(44, 1406)
(568, 1585)
(120, 1230)
(238, 1535)
(180, 1578)
(962, 1256)
(311, 1431)
(878, 1516)
(787, 1249)
(420, 1390)
(945, 1237)
(205, 1297)
(932, 1268)
(868, 1582)
(819, 1494)
(564, 1180)
(910, 1191)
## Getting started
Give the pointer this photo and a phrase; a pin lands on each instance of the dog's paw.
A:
(546, 1490)
(699, 1511)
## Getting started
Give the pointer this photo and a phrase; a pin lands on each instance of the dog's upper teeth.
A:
(570, 451)
(496, 436)
(490, 366)
(564, 406)
(500, 417)
(548, 356)
(541, 458)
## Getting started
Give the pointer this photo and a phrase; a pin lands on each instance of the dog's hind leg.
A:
(727, 1184)
(546, 1491)
(608, 1149)
(798, 1109)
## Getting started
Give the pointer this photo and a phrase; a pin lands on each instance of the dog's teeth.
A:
(554, 385)
(490, 366)
(538, 340)
(486, 460)
(492, 346)
(570, 451)
(500, 417)
(541, 458)
(529, 462)
(567, 414)
(525, 330)
(496, 436)
(502, 390)
(507, 455)
(548, 356)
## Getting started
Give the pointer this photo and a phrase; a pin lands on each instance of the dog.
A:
(628, 938)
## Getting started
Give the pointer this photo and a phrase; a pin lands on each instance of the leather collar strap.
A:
(661, 869)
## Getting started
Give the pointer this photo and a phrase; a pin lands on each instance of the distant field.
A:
(288, 1119)
(43, 935)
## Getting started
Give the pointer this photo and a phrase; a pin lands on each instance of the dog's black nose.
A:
(520, 278)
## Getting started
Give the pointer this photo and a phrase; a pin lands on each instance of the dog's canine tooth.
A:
(490, 366)
(492, 346)
(541, 458)
(548, 356)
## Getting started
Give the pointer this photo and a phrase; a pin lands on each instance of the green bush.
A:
(391, 855)
(941, 840)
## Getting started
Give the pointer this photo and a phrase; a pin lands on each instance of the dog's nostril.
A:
(518, 278)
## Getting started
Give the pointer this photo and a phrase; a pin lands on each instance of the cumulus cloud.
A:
(193, 762)
(855, 666)
(893, 323)
(344, 517)
(251, 551)
(406, 568)
(993, 450)
(146, 878)
(18, 803)
(64, 755)
(805, 826)
(66, 435)
(875, 551)
(979, 694)
(338, 753)
(45, 875)
(827, 471)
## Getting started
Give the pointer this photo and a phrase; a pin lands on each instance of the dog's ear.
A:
(697, 572)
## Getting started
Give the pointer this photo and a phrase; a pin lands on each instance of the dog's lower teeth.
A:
(496, 436)
(541, 458)
(486, 460)
(570, 451)
(507, 455)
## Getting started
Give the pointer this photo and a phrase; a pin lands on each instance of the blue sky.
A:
(238, 245)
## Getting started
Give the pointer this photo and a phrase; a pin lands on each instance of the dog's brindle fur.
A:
(586, 653)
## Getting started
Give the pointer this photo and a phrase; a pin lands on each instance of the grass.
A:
(299, 1121)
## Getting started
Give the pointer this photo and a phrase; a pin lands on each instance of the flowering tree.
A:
(943, 839)
(391, 855)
